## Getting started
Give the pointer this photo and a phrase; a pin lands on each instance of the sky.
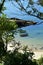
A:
(11, 11)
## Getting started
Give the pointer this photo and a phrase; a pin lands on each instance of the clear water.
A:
(35, 36)
(35, 32)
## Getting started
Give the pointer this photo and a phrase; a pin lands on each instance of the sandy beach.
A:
(37, 53)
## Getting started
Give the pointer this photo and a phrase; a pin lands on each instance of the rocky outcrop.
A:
(23, 23)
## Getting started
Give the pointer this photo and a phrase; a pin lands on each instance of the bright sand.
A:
(37, 53)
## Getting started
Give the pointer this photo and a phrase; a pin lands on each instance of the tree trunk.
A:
(6, 46)
(1, 5)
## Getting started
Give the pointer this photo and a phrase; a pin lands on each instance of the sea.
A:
(35, 32)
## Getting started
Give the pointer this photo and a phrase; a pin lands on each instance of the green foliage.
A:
(40, 61)
(35, 62)
(2, 5)
(1, 48)
(0, 63)
(31, 2)
(7, 25)
(16, 57)
(41, 2)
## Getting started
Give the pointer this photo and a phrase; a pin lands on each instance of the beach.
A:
(38, 53)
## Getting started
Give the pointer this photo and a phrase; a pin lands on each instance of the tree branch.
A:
(1, 5)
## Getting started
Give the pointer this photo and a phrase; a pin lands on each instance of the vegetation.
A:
(0, 64)
(25, 58)
(19, 58)
(15, 57)
(40, 61)
(6, 34)
(30, 5)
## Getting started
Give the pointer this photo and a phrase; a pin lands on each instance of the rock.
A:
(23, 34)
(23, 23)
(22, 31)
(41, 48)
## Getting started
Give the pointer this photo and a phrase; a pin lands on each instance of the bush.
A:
(8, 26)
(19, 58)
(5, 24)
(40, 61)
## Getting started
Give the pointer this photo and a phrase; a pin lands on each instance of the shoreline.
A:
(38, 53)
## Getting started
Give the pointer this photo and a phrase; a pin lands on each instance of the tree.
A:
(40, 61)
(19, 58)
(6, 28)
(29, 8)
(6, 33)
(1, 5)
(1, 41)
(40, 2)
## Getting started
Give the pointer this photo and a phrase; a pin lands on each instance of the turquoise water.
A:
(35, 33)
(35, 36)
